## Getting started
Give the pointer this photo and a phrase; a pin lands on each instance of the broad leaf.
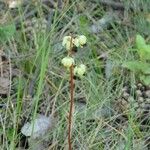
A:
(137, 66)
(145, 79)
(140, 42)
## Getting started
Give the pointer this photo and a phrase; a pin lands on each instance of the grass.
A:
(44, 79)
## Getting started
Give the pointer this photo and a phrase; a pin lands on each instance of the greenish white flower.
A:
(68, 61)
(79, 41)
(67, 42)
(76, 42)
(82, 40)
(80, 70)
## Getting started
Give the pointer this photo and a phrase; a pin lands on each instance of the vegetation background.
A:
(33, 80)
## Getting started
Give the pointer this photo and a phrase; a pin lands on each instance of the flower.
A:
(76, 42)
(68, 61)
(80, 70)
(82, 40)
(67, 42)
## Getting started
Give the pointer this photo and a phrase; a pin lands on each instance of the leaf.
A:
(132, 65)
(6, 32)
(140, 42)
(145, 79)
(143, 48)
(137, 66)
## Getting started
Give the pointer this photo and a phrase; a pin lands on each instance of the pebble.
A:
(139, 85)
(142, 105)
(148, 100)
(135, 105)
(139, 110)
(125, 89)
(131, 99)
(138, 93)
(147, 93)
(140, 99)
(124, 102)
(126, 95)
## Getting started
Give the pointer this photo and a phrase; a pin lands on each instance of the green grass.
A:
(94, 127)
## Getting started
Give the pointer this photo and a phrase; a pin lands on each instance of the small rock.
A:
(140, 99)
(38, 127)
(126, 95)
(131, 99)
(139, 85)
(125, 89)
(124, 102)
(147, 93)
(138, 93)
(139, 144)
(142, 105)
(148, 100)
(135, 105)
(139, 111)
(103, 112)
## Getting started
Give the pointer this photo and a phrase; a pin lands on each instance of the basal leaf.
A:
(137, 66)
(132, 65)
(140, 42)
(145, 79)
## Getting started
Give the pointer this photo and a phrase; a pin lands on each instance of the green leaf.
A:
(145, 79)
(6, 32)
(137, 66)
(140, 42)
(132, 65)
(143, 48)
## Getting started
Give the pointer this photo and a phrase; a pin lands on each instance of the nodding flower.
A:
(68, 61)
(82, 40)
(80, 70)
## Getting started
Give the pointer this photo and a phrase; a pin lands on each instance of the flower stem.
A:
(71, 100)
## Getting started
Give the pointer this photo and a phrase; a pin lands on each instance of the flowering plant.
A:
(79, 70)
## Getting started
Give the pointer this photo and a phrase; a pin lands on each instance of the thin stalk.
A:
(71, 100)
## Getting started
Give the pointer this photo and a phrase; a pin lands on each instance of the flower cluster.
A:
(69, 43)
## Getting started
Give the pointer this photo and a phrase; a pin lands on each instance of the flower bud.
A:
(68, 61)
